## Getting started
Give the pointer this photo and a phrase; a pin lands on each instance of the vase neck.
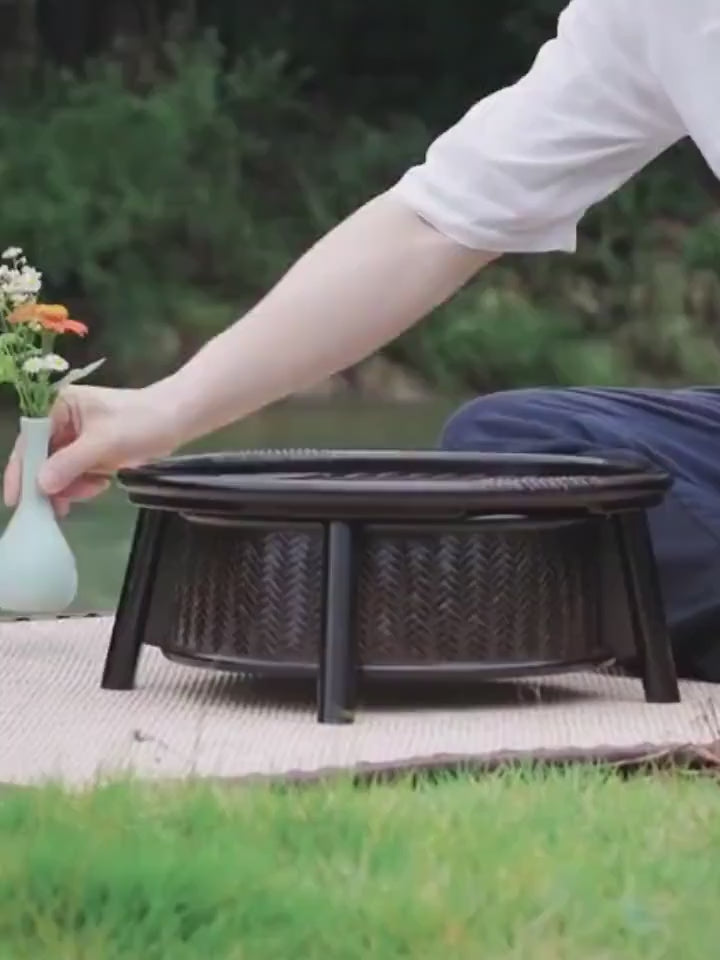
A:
(35, 440)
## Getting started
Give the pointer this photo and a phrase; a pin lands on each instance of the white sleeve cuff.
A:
(454, 219)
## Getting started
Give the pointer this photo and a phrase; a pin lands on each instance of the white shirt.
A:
(621, 82)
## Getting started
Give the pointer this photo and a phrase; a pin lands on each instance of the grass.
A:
(578, 865)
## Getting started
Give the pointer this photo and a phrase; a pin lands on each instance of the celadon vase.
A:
(38, 574)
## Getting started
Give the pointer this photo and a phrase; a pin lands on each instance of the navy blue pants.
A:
(677, 429)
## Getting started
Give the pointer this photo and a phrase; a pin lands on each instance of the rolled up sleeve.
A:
(519, 171)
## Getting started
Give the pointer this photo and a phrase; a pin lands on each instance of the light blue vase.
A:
(37, 567)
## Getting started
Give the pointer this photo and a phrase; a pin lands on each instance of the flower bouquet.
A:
(37, 567)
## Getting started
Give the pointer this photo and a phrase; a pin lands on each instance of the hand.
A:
(96, 431)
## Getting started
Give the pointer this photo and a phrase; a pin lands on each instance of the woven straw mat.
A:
(57, 724)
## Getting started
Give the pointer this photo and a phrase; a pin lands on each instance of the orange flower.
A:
(52, 317)
(23, 314)
(68, 326)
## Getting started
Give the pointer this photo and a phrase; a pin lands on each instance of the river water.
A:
(100, 532)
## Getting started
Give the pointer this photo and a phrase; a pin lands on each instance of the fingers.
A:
(74, 469)
(83, 489)
(61, 507)
(11, 478)
(74, 464)
(62, 433)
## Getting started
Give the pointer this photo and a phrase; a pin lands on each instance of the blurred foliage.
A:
(164, 161)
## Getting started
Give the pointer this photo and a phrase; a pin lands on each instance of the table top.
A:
(344, 484)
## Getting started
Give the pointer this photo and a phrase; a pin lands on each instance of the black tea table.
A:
(393, 565)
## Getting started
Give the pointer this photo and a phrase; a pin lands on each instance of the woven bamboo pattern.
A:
(253, 592)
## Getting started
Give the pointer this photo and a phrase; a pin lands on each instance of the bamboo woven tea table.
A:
(392, 565)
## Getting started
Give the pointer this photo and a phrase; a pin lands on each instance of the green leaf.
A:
(9, 339)
(8, 370)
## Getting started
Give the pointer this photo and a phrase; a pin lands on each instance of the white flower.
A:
(12, 253)
(29, 280)
(33, 365)
(51, 362)
(20, 284)
(55, 363)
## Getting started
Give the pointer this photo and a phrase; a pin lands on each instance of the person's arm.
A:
(362, 285)
(516, 174)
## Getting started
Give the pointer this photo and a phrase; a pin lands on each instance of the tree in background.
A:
(165, 160)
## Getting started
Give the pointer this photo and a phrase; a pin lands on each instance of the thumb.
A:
(11, 479)
(70, 463)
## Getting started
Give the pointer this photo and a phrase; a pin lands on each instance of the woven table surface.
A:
(325, 481)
